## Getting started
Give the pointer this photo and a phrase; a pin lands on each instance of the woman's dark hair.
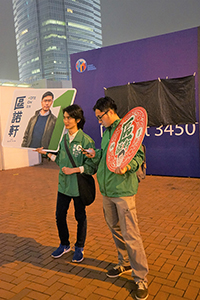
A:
(76, 112)
(105, 103)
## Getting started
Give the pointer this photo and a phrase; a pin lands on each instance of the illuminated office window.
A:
(24, 31)
(79, 26)
(35, 71)
(70, 10)
(54, 22)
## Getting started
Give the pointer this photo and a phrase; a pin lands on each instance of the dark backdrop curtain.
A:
(167, 101)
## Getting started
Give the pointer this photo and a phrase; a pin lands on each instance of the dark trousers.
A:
(63, 202)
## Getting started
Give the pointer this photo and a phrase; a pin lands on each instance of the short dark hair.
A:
(105, 103)
(76, 112)
(48, 94)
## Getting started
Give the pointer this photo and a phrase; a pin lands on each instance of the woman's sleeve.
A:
(57, 160)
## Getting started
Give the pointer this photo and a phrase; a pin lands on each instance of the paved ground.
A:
(168, 213)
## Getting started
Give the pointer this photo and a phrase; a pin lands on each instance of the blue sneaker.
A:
(78, 255)
(60, 251)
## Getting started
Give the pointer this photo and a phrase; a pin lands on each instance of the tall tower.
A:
(48, 31)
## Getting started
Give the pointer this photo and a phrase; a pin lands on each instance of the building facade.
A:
(48, 31)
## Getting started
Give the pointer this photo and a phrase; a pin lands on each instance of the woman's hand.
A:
(68, 171)
(40, 150)
(90, 153)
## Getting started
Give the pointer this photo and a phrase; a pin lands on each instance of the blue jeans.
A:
(63, 202)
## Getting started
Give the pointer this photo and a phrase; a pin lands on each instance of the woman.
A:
(68, 186)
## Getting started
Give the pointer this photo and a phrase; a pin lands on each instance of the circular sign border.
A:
(139, 122)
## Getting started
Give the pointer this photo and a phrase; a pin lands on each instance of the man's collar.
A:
(114, 124)
(46, 114)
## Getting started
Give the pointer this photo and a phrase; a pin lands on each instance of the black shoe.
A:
(141, 291)
(118, 270)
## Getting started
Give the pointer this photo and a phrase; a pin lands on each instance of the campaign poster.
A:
(126, 138)
(36, 118)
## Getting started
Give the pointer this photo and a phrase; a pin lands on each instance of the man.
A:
(118, 189)
(41, 125)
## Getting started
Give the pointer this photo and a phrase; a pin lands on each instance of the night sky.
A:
(122, 21)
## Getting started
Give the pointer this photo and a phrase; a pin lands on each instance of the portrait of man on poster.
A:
(40, 126)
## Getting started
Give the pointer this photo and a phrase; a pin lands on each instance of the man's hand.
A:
(120, 171)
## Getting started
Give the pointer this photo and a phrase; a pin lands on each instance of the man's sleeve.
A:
(25, 137)
(136, 162)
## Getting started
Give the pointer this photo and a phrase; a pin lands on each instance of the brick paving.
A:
(168, 213)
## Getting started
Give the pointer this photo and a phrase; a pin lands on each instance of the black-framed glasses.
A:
(100, 117)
